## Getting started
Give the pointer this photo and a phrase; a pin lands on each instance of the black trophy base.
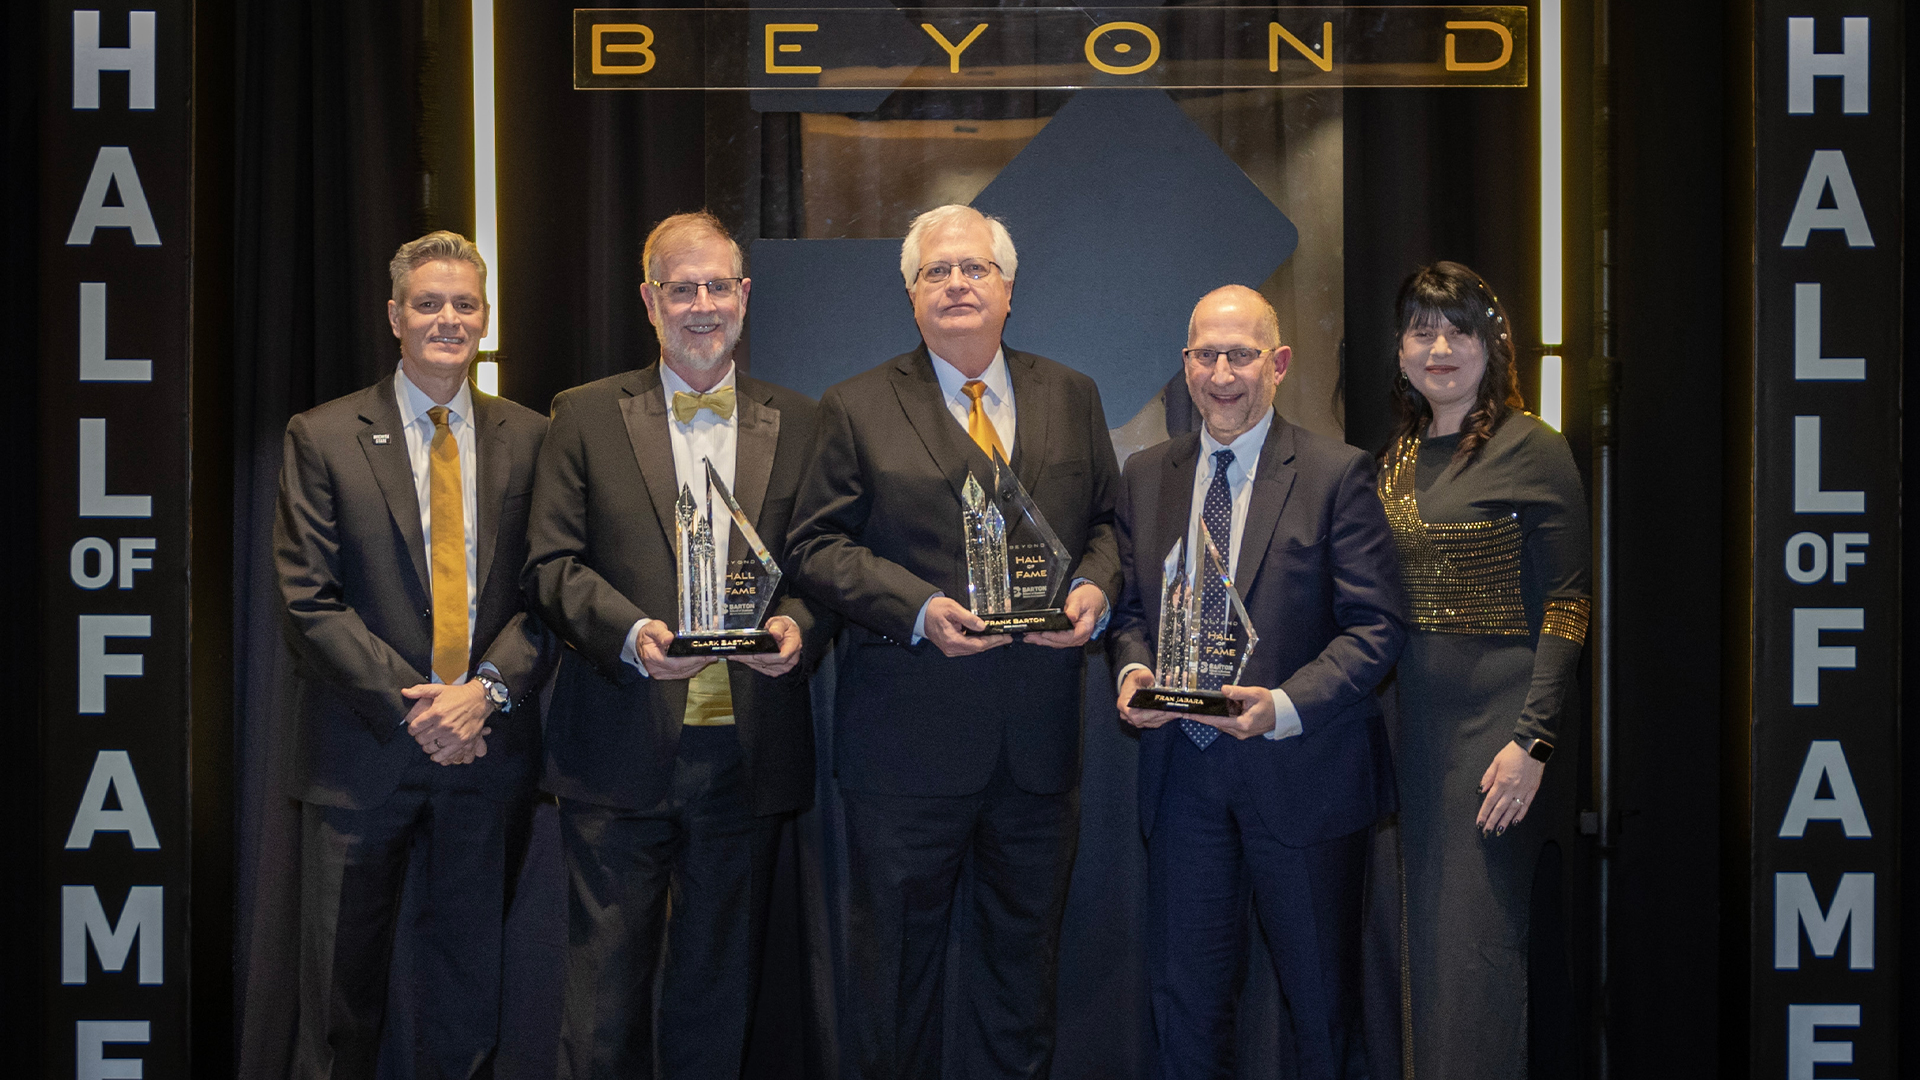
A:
(723, 643)
(1200, 702)
(1023, 622)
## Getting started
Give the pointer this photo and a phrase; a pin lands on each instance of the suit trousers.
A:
(1208, 851)
(904, 861)
(671, 899)
(353, 865)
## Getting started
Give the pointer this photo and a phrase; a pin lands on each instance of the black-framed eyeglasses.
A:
(1236, 357)
(971, 269)
(683, 292)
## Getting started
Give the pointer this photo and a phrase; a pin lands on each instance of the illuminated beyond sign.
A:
(887, 48)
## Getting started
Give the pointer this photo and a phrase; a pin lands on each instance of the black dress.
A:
(1495, 556)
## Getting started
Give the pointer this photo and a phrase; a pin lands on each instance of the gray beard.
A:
(681, 358)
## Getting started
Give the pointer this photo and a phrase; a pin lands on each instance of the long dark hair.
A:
(1453, 292)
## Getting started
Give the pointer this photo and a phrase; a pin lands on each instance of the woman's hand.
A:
(1509, 785)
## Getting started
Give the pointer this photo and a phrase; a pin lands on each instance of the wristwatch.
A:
(1537, 749)
(497, 694)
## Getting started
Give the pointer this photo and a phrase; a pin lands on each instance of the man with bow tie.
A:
(673, 774)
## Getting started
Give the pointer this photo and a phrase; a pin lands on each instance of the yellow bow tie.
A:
(719, 402)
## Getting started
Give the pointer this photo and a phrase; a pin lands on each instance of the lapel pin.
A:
(381, 440)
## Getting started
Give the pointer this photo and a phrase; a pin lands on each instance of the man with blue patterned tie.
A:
(1281, 809)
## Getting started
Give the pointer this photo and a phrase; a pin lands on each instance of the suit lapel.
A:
(1272, 483)
(756, 434)
(380, 411)
(644, 409)
(1032, 405)
(495, 464)
(1176, 504)
(918, 389)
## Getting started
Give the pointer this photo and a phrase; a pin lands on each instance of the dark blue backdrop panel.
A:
(825, 310)
(1125, 213)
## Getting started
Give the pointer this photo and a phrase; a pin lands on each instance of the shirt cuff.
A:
(1106, 607)
(920, 620)
(1121, 682)
(1286, 718)
(630, 652)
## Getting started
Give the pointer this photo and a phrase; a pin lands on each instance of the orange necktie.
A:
(447, 514)
(978, 425)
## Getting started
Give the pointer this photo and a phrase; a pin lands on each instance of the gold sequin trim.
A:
(1567, 618)
(1461, 578)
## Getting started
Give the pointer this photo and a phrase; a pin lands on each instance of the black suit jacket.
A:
(1321, 582)
(357, 590)
(878, 532)
(601, 558)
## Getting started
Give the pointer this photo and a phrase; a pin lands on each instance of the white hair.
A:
(1003, 252)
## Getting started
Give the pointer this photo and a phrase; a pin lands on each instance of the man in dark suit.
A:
(1282, 806)
(947, 744)
(674, 774)
(399, 538)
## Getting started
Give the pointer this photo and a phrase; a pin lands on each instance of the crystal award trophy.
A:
(1016, 566)
(1205, 638)
(721, 607)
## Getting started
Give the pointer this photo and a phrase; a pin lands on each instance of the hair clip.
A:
(1489, 312)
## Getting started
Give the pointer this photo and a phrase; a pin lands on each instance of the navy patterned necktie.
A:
(1217, 512)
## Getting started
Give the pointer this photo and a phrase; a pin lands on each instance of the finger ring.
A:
(1518, 801)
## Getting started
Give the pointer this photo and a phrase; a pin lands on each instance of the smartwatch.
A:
(1538, 749)
(497, 693)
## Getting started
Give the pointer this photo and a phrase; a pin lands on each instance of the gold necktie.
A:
(978, 425)
(447, 516)
(709, 697)
(719, 402)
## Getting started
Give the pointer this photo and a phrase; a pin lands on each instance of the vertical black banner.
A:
(116, 167)
(1826, 539)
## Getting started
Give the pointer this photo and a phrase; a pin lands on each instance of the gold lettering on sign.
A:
(775, 29)
(1322, 60)
(1124, 47)
(1506, 47)
(954, 51)
(643, 47)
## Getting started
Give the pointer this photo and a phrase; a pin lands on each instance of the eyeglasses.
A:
(1236, 357)
(683, 292)
(972, 270)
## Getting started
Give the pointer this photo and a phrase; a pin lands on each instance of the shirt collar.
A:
(671, 383)
(1246, 448)
(414, 401)
(999, 383)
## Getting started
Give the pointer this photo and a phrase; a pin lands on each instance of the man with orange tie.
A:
(948, 745)
(398, 540)
(674, 774)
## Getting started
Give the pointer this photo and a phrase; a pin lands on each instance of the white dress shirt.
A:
(414, 404)
(1246, 461)
(704, 438)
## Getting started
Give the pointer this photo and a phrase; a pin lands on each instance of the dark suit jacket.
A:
(878, 532)
(358, 598)
(601, 558)
(1321, 582)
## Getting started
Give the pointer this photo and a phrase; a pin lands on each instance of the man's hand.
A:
(445, 719)
(1084, 605)
(947, 623)
(773, 665)
(1139, 679)
(1510, 783)
(653, 642)
(1256, 712)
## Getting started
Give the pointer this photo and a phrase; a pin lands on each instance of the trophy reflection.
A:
(722, 602)
(1205, 637)
(1016, 565)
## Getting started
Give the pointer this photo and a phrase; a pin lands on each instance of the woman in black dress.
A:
(1489, 517)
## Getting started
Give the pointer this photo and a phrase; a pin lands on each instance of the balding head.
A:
(1233, 299)
(1242, 361)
